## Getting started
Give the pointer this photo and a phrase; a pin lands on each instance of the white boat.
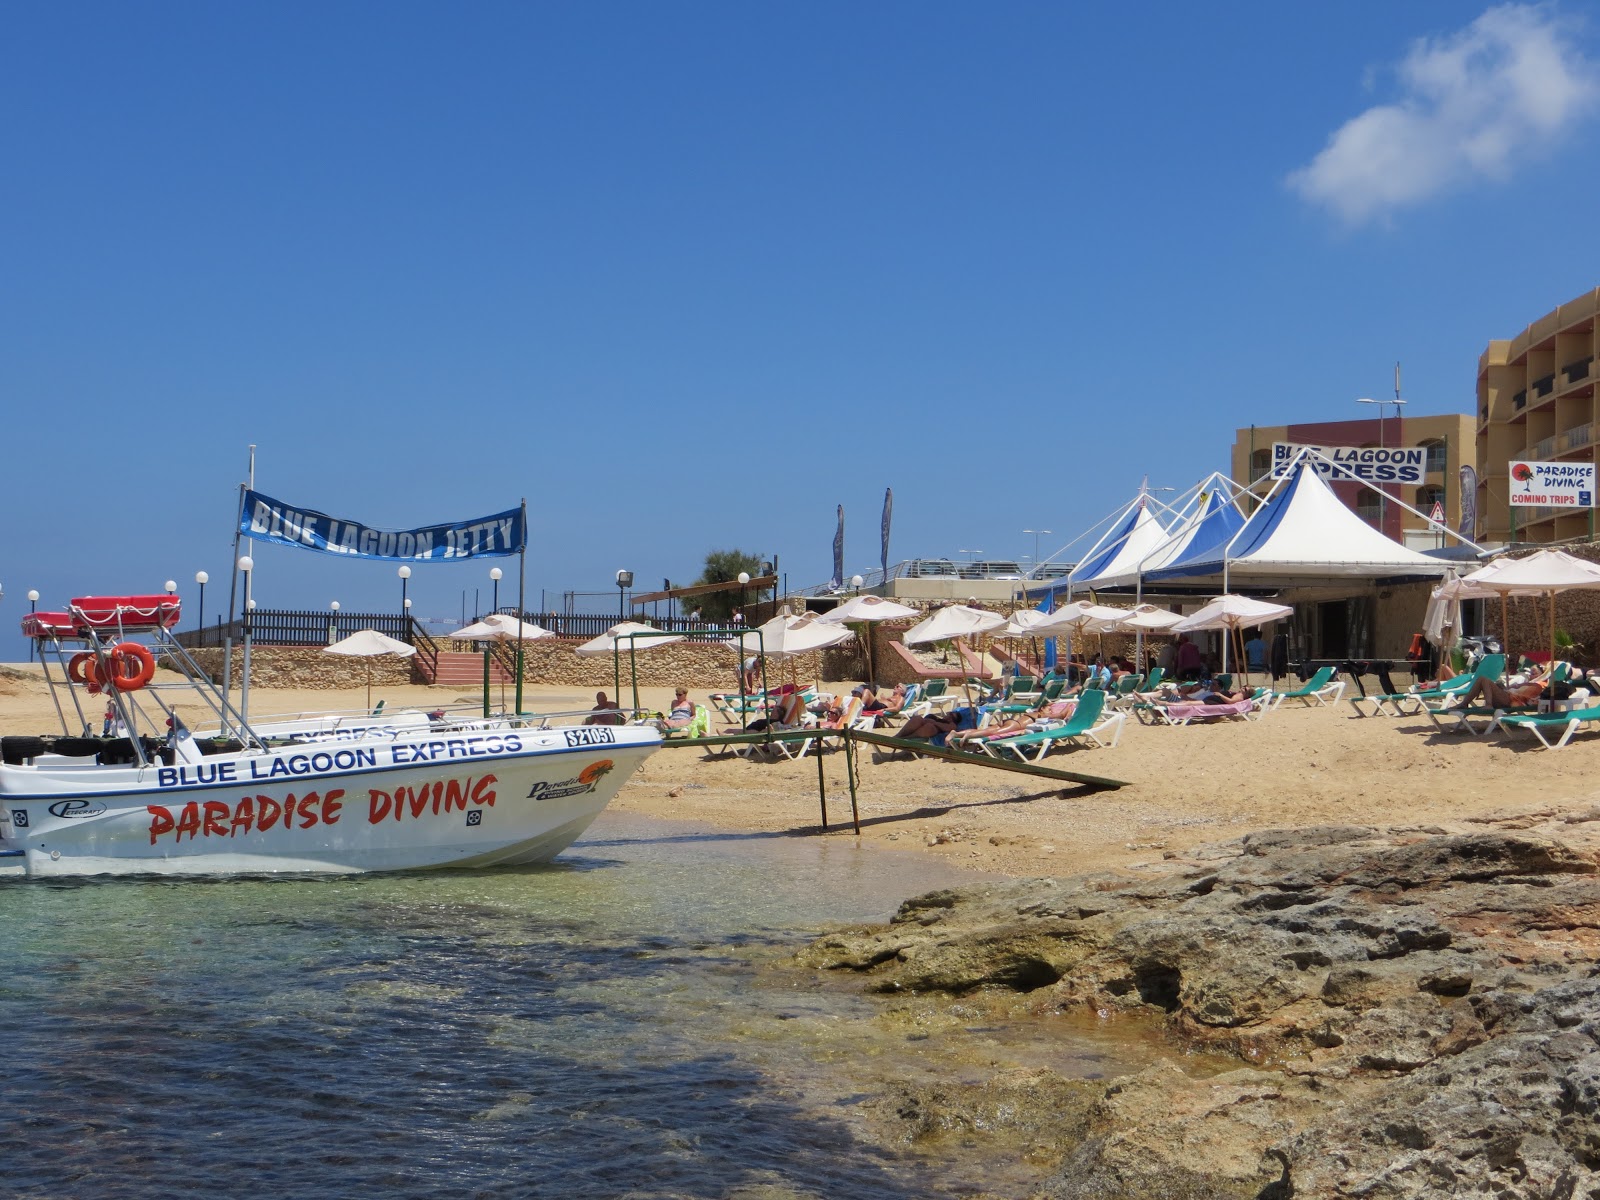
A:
(404, 792)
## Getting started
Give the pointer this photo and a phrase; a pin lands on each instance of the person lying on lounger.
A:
(1010, 727)
(1494, 695)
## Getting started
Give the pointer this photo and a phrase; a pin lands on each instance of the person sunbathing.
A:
(1010, 727)
(682, 713)
(785, 713)
(931, 725)
(1496, 695)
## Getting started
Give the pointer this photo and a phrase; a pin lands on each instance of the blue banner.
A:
(269, 520)
(838, 552)
(888, 510)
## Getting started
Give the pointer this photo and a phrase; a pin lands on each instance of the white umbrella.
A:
(865, 610)
(1079, 616)
(614, 639)
(1023, 623)
(1541, 574)
(501, 627)
(370, 644)
(785, 637)
(1231, 613)
(1147, 618)
(952, 621)
(617, 636)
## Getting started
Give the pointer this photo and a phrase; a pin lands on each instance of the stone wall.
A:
(305, 667)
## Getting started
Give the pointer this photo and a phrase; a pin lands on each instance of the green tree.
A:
(723, 566)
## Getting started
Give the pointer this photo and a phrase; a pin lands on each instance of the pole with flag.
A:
(888, 509)
(838, 552)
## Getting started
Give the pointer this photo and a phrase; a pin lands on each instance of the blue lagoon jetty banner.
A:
(269, 520)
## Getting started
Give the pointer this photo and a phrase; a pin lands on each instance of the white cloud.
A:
(1473, 105)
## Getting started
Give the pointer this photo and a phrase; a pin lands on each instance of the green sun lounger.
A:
(1089, 720)
(1545, 726)
(1320, 689)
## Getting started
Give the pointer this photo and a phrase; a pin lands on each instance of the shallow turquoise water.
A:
(590, 1029)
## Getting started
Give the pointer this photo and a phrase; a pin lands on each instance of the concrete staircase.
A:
(463, 670)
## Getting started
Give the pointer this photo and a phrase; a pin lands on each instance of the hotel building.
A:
(1536, 403)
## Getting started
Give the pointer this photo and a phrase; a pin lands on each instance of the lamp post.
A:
(33, 607)
(744, 582)
(624, 582)
(494, 576)
(405, 579)
(1036, 534)
(202, 578)
(333, 622)
(856, 581)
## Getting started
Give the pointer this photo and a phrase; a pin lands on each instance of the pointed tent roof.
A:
(1303, 530)
(1131, 539)
(1210, 525)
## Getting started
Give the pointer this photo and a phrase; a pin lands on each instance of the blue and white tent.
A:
(1210, 521)
(1303, 532)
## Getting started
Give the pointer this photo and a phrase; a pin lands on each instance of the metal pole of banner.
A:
(522, 590)
(233, 595)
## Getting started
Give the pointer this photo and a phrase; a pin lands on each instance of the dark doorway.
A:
(1333, 626)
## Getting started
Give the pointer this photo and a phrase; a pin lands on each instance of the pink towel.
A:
(1188, 712)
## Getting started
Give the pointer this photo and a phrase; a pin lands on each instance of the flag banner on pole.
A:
(1469, 501)
(269, 520)
(888, 508)
(838, 551)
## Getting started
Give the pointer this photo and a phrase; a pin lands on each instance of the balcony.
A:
(1576, 438)
(1519, 401)
(1540, 451)
(1544, 385)
(1575, 371)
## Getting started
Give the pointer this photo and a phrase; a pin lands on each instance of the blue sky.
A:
(688, 276)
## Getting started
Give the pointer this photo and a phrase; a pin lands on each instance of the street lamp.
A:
(405, 578)
(744, 582)
(33, 607)
(202, 578)
(171, 585)
(494, 576)
(856, 581)
(333, 622)
(624, 582)
(1036, 535)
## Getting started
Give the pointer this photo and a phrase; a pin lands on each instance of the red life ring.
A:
(132, 666)
(80, 668)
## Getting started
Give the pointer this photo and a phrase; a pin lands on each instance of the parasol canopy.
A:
(784, 637)
(866, 608)
(617, 636)
(369, 644)
(1543, 573)
(1023, 623)
(952, 621)
(1232, 612)
(1077, 617)
(1147, 618)
(501, 627)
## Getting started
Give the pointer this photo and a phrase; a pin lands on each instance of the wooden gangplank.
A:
(850, 737)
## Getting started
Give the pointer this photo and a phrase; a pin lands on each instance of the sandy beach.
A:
(1186, 786)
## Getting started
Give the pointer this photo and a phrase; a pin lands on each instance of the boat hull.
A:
(470, 799)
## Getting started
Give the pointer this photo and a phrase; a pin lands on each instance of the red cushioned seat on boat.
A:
(47, 624)
(126, 612)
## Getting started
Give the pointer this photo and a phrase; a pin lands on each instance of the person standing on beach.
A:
(1186, 659)
(1255, 652)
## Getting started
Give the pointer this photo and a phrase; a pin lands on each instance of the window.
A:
(1428, 496)
(1260, 464)
(1369, 505)
(1438, 456)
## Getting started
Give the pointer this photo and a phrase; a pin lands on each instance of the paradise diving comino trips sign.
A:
(1557, 484)
(269, 520)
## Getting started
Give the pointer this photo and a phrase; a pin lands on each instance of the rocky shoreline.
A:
(1413, 1013)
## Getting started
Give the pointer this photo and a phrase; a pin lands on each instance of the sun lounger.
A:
(1183, 714)
(1320, 689)
(1544, 726)
(1089, 720)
